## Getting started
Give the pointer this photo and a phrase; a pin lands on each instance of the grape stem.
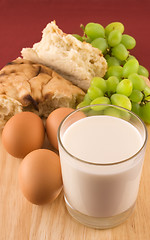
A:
(144, 100)
(108, 94)
(83, 28)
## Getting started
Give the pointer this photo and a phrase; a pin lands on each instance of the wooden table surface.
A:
(20, 220)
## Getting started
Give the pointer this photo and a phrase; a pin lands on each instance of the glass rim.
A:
(102, 164)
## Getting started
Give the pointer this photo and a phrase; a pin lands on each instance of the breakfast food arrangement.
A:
(68, 77)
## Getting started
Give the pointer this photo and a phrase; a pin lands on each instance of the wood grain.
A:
(20, 220)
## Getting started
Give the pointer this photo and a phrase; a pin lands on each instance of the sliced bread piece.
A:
(76, 61)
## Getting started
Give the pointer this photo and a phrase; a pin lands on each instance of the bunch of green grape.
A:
(123, 84)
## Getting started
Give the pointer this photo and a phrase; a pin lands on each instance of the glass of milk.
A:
(101, 150)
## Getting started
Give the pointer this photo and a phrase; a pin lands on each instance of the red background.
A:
(21, 22)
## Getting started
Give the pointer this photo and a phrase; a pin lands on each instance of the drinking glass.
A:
(101, 195)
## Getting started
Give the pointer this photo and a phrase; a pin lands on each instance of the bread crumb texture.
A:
(8, 108)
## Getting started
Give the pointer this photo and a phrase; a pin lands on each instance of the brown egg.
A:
(52, 123)
(22, 134)
(40, 176)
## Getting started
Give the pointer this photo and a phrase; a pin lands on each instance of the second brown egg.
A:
(52, 123)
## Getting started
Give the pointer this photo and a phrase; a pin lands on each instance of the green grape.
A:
(122, 63)
(136, 108)
(114, 38)
(100, 83)
(112, 112)
(87, 99)
(136, 96)
(107, 56)
(125, 115)
(78, 37)
(146, 91)
(128, 41)
(114, 26)
(112, 83)
(121, 100)
(137, 81)
(94, 30)
(124, 87)
(94, 92)
(130, 67)
(100, 100)
(114, 71)
(112, 61)
(86, 39)
(143, 71)
(145, 112)
(92, 112)
(82, 104)
(120, 52)
(130, 57)
(100, 43)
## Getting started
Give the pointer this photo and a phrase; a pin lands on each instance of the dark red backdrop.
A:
(21, 22)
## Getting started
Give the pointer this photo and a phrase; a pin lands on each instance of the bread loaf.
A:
(26, 86)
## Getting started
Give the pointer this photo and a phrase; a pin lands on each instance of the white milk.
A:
(101, 190)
